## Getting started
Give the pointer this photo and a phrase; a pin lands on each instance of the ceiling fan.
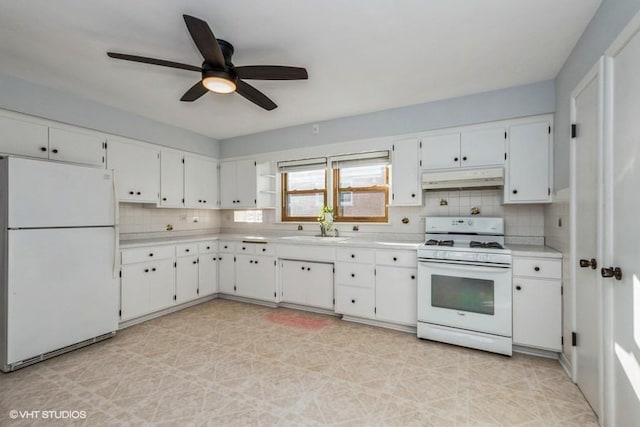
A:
(218, 72)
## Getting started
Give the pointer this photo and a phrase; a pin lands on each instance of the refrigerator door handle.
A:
(116, 229)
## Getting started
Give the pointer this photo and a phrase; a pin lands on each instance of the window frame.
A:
(285, 192)
(375, 188)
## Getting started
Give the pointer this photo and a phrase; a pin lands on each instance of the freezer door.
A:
(48, 194)
(60, 289)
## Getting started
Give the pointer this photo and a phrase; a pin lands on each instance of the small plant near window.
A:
(325, 218)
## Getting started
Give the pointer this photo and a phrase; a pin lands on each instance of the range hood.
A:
(458, 179)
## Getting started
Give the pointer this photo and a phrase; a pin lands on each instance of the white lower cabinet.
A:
(256, 277)
(537, 305)
(146, 287)
(355, 301)
(355, 282)
(227, 267)
(208, 268)
(186, 278)
(396, 293)
(307, 283)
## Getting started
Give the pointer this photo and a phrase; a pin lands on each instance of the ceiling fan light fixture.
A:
(219, 83)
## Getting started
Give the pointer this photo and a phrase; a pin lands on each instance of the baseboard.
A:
(307, 308)
(166, 311)
(536, 352)
(248, 300)
(382, 324)
(566, 365)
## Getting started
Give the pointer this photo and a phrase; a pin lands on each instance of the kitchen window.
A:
(304, 188)
(361, 187)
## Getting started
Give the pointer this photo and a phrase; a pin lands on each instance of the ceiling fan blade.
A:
(195, 92)
(254, 95)
(271, 72)
(205, 40)
(154, 61)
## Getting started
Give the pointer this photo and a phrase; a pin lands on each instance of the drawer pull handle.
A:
(264, 249)
(536, 268)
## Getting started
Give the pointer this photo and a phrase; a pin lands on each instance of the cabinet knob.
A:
(536, 268)
(204, 201)
(199, 201)
(413, 277)
(54, 151)
(264, 249)
(256, 261)
(250, 261)
(353, 275)
(186, 250)
(43, 148)
(195, 262)
(164, 199)
(518, 288)
(464, 159)
(395, 258)
(208, 247)
(219, 259)
(146, 270)
(214, 258)
(131, 192)
(243, 248)
(138, 193)
(353, 301)
(455, 159)
(302, 268)
(515, 191)
(151, 254)
(308, 268)
(413, 195)
(153, 269)
(353, 255)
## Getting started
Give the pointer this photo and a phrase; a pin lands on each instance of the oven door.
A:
(472, 297)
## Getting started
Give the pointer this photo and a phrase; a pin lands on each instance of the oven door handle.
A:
(478, 268)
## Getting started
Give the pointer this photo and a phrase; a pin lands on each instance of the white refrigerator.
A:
(59, 243)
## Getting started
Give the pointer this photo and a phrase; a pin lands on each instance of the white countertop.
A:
(534, 251)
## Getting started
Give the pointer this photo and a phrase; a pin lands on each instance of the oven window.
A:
(463, 294)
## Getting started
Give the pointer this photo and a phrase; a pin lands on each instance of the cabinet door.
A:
(137, 171)
(162, 284)
(485, 147)
(255, 277)
(23, 138)
(396, 295)
(186, 279)
(208, 274)
(319, 284)
(294, 281)
(353, 301)
(76, 147)
(171, 179)
(246, 183)
(226, 273)
(528, 164)
(228, 183)
(406, 187)
(200, 183)
(441, 151)
(134, 291)
(537, 313)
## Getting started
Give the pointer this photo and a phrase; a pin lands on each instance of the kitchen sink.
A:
(316, 238)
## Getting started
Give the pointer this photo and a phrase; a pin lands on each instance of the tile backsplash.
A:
(137, 218)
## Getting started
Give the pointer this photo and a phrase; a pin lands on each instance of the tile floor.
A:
(228, 363)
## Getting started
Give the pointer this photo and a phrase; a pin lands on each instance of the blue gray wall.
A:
(29, 98)
(520, 101)
(609, 20)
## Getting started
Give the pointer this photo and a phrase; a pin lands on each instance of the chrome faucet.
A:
(335, 232)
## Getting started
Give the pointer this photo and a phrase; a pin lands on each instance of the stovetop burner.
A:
(489, 245)
(432, 242)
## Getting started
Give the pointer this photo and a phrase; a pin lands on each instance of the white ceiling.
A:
(362, 56)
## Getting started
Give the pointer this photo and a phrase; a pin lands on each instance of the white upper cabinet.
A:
(200, 183)
(23, 138)
(441, 151)
(528, 174)
(466, 148)
(171, 179)
(485, 147)
(137, 170)
(77, 147)
(238, 184)
(406, 188)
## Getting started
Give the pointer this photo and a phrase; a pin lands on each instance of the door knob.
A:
(589, 263)
(615, 272)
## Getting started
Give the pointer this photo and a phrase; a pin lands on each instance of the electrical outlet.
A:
(315, 129)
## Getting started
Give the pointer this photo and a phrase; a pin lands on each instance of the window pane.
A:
(304, 204)
(306, 180)
(363, 176)
(362, 204)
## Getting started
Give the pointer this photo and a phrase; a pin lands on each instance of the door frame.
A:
(597, 73)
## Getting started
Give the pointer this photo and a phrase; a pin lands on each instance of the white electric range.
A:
(464, 283)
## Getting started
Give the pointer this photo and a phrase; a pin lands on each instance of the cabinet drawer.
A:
(263, 249)
(226, 246)
(537, 267)
(306, 252)
(245, 248)
(397, 258)
(354, 301)
(355, 274)
(207, 247)
(355, 255)
(131, 256)
(187, 249)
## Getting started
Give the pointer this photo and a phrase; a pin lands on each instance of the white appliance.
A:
(59, 238)
(463, 178)
(464, 283)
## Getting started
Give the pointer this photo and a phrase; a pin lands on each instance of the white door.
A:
(137, 171)
(227, 273)
(186, 279)
(23, 138)
(623, 184)
(294, 281)
(586, 181)
(208, 274)
(405, 183)
(171, 179)
(485, 147)
(537, 313)
(396, 294)
(49, 194)
(528, 171)
(320, 285)
(246, 183)
(441, 151)
(76, 147)
(61, 289)
(162, 284)
(209, 183)
(134, 291)
(228, 196)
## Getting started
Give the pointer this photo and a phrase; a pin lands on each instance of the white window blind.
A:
(302, 165)
(361, 159)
